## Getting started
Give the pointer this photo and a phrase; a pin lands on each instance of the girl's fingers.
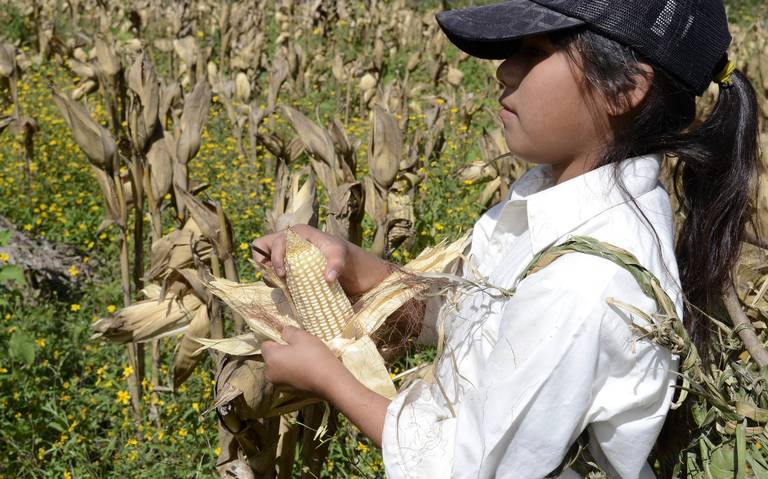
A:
(270, 249)
(278, 254)
(332, 248)
(267, 348)
(289, 333)
(259, 254)
(261, 248)
(335, 262)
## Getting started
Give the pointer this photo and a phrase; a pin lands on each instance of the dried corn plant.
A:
(334, 163)
(100, 148)
(12, 63)
(388, 188)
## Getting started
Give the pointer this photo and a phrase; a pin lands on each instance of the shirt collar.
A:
(554, 210)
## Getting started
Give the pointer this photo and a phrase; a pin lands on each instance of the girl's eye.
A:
(533, 51)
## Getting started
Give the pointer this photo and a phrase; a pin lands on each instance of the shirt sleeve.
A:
(544, 381)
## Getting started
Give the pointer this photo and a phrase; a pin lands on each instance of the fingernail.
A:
(332, 275)
(279, 271)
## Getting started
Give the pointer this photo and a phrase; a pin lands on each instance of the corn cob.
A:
(321, 308)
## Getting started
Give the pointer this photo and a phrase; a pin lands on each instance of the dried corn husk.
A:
(7, 59)
(161, 167)
(263, 308)
(296, 204)
(149, 319)
(175, 251)
(193, 119)
(143, 118)
(107, 58)
(318, 142)
(242, 87)
(385, 147)
(454, 77)
(187, 356)
(95, 141)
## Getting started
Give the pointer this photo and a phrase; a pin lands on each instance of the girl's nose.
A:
(507, 74)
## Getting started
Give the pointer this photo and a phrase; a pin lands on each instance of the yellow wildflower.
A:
(40, 342)
(74, 307)
(123, 397)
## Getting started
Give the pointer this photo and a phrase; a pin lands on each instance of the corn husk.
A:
(149, 319)
(193, 119)
(187, 356)
(384, 149)
(107, 58)
(7, 59)
(95, 141)
(266, 309)
(143, 117)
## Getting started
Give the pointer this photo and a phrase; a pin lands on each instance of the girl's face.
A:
(545, 113)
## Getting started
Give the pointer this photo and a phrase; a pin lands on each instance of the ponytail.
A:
(717, 170)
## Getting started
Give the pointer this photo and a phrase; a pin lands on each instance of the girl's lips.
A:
(507, 113)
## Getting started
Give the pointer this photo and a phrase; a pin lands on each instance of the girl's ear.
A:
(634, 94)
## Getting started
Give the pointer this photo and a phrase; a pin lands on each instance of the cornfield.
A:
(159, 138)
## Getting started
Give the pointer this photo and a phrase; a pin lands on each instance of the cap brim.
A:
(490, 31)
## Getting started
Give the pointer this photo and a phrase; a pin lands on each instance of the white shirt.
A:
(527, 374)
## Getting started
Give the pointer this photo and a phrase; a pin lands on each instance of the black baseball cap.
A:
(687, 38)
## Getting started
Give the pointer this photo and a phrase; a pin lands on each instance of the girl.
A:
(595, 94)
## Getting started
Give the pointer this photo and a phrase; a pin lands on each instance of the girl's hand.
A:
(357, 270)
(304, 363)
(307, 364)
(333, 248)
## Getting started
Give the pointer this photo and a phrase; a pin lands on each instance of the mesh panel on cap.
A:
(687, 38)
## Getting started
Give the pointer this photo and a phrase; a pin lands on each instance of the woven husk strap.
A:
(665, 329)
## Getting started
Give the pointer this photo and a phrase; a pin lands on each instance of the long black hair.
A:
(714, 175)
